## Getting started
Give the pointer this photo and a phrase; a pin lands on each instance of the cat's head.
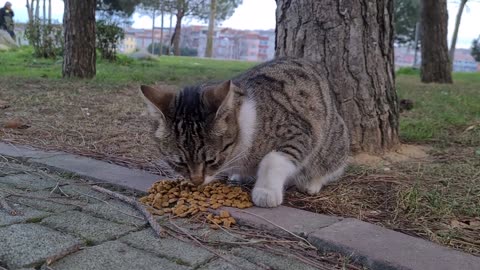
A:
(197, 128)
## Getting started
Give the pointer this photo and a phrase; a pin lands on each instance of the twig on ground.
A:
(202, 245)
(8, 208)
(63, 254)
(282, 228)
(109, 204)
(151, 220)
(57, 187)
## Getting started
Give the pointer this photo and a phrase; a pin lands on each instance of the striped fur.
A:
(277, 121)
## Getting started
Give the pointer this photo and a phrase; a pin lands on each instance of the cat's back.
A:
(294, 84)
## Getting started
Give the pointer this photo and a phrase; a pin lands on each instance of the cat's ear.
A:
(158, 100)
(221, 98)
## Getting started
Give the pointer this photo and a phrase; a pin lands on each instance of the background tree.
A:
(352, 41)
(407, 15)
(475, 50)
(216, 11)
(122, 8)
(455, 30)
(211, 28)
(79, 32)
(435, 60)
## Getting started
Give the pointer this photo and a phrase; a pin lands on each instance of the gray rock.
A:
(28, 245)
(116, 211)
(84, 193)
(93, 230)
(173, 249)
(27, 215)
(273, 261)
(114, 255)
(56, 203)
(28, 181)
(221, 264)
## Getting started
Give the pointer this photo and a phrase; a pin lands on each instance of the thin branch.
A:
(203, 246)
(282, 228)
(151, 220)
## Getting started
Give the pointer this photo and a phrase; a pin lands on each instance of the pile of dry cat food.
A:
(183, 199)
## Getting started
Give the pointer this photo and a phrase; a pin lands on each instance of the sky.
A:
(260, 15)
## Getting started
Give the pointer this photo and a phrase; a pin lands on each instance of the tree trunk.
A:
(37, 10)
(49, 12)
(211, 28)
(455, 31)
(30, 11)
(79, 33)
(153, 32)
(176, 34)
(435, 61)
(352, 41)
(162, 14)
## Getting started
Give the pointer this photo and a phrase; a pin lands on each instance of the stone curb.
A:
(90, 169)
(371, 245)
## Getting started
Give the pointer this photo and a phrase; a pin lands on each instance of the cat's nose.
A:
(197, 179)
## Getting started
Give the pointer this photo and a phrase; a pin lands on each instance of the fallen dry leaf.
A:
(4, 104)
(16, 123)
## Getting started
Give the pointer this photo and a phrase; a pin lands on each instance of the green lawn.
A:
(177, 70)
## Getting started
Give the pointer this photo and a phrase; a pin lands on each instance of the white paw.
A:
(311, 189)
(263, 197)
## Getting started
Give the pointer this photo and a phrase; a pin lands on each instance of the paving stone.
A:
(114, 255)
(27, 215)
(200, 230)
(99, 171)
(10, 168)
(94, 230)
(173, 249)
(271, 260)
(85, 193)
(28, 181)
(61, 204)
(298, 221)
(116, 211)
(221, 264)
(380, 248)
(27, 245)
(24, 152)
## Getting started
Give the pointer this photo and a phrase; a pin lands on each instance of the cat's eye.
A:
(210, 161)
(178, 163)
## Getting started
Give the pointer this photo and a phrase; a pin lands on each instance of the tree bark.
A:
(352, 41)
(435, 60)
(211, 28)
(455, 31)
(49, 12)
(177, 33)
(79, 34)
(162, 14)
(153, 31)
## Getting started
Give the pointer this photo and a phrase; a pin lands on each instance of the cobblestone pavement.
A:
(76, 227)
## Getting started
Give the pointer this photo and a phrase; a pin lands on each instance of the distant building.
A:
(463, 62)
(227, 43)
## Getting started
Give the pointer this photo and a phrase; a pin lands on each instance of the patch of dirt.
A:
(406, 152)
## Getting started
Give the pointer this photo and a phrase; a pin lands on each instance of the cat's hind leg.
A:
(313, 185)
(273, 173)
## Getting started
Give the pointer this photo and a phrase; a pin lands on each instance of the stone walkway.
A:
(89, 230)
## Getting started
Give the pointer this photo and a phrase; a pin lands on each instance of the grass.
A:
(177, 70)
(441, 112)
(437, 198)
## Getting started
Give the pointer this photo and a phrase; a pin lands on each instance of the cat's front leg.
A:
(273, 173)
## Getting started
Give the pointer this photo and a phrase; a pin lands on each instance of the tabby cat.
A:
(277, 121)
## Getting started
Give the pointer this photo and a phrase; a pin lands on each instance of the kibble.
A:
(183, 199)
